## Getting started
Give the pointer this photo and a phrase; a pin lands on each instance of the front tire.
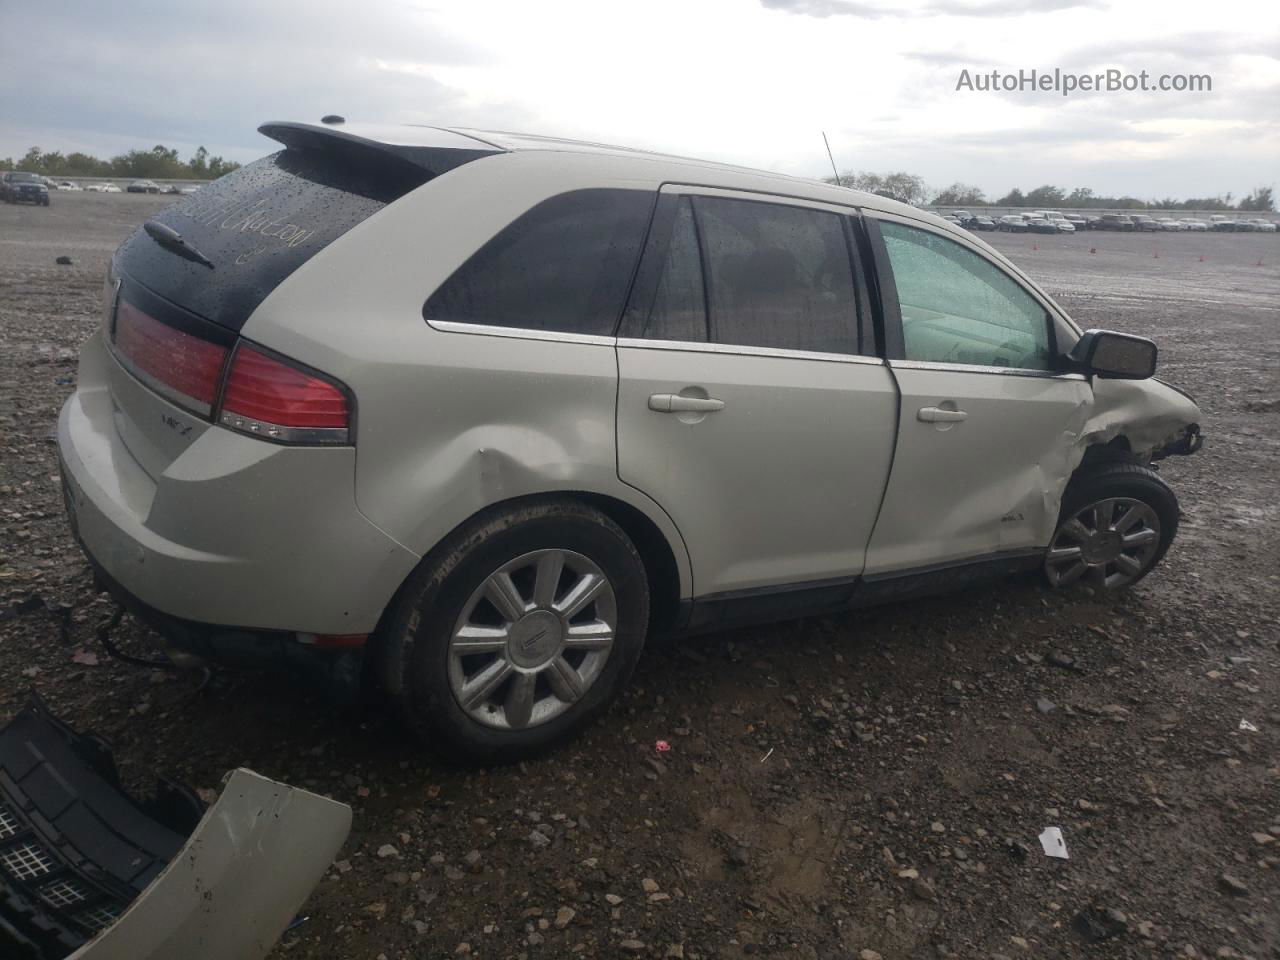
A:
(517, 632)
(1118, 519)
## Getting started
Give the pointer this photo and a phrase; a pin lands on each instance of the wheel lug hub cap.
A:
(536, 639)
(1102, 547)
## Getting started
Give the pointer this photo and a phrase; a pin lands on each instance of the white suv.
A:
(470, 415)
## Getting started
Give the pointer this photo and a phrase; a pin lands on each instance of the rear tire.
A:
(505, 586)
(1117, 521)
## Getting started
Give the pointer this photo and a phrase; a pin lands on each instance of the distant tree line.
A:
(158, 163)
(912, 189)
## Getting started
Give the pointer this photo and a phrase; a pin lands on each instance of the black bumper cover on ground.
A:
(75, 847)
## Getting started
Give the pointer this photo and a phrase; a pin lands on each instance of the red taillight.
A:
(271, 398)
(254, 391)
(182, 366)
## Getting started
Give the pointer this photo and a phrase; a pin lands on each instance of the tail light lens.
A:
(271, 397)
(182, 367)
(241, 386)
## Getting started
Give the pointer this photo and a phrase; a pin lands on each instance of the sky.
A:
(754, 82)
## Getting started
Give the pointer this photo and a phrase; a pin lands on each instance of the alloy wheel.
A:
(532, 639)
(1111, 542)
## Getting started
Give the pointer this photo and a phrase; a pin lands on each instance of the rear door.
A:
(750, 404)
(988, 418)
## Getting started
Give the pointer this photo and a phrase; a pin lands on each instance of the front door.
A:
(748, 407)
(987, 422)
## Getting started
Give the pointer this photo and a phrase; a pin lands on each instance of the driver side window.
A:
(959, 308)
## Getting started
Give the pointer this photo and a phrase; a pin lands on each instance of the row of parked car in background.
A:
(18, 186)
(1051, 221)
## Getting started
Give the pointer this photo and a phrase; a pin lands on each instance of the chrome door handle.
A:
(674, 403)
(938, 415)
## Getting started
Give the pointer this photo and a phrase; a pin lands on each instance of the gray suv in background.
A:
(466, 416)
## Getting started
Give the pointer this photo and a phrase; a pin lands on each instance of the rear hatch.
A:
(184, 284)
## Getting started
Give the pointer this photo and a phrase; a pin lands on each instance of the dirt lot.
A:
(834, 786)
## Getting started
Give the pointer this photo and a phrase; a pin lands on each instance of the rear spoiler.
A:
(433, 150)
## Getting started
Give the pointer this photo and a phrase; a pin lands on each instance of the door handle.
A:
(674, 403)
(938, 415)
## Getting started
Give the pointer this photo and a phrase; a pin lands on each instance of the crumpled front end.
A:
(1147, 419)
(1155, 419)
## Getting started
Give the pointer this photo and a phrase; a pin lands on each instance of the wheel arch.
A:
(655, 551)
(1117, 449)
(669, 577)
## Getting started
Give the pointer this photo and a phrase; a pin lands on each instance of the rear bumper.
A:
(337, 672)
(234, 530)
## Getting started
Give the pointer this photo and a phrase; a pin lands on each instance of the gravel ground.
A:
(860, 786)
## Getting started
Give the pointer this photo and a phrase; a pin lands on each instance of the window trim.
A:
(648, 274)
(983, 368)
(896, 348)
(518, 333)
(745, 350)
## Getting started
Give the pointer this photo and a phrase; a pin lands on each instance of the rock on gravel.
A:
(1233, 885)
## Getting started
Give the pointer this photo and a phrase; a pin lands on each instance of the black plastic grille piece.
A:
(75, 848)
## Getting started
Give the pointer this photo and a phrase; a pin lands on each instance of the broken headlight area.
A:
(87, 871)
(1188, 441)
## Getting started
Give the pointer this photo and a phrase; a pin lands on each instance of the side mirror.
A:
(1117, 356)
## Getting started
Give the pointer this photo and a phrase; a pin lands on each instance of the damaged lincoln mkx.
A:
(466, 416)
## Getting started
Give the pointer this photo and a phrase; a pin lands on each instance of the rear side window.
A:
(563, 266)
(257, 226)
(958, 307)
(748, 273)
(778, 276)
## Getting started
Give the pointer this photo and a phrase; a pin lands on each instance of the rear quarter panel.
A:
(448, 423)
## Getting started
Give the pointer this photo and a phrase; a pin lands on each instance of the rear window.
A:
(563, 266)
(257, 226)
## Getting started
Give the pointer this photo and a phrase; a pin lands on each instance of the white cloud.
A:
(739, 80)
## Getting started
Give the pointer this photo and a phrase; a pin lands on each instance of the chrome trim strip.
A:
(686, 188)
(517, 333)
(274, 431)
(745, 351)
(978, 368)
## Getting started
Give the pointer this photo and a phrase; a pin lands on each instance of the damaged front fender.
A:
(1146, 419)
(1153, 419)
